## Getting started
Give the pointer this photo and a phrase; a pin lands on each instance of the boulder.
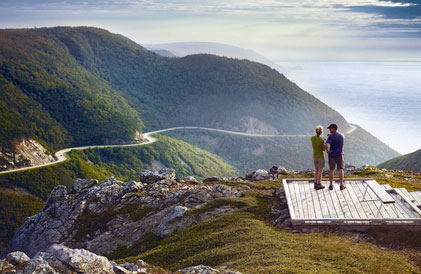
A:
(58, 193)
(17, 258)
(203, 269)
(82, 184)
(190, 180)
(81, 260)
(150, 177)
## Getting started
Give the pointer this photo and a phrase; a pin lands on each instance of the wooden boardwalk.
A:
(349, 207)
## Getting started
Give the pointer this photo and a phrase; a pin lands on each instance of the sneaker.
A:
(342, 187)
(318, 186)
(330, 187)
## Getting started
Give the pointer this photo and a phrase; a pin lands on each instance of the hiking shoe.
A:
(330, 187)
(342, 187)
(318, 186)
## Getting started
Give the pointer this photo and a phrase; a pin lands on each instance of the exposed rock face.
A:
(27, 152)
(255, 126)
(61, 259)
(99, 217)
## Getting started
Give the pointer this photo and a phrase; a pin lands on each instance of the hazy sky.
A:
(278, 29)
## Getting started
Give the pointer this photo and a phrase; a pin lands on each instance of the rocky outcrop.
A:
(26, 152)
(61, 259)
(101, 216)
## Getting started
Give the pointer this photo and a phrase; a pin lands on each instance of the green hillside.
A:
(411, 161)
(123, 163)
(250, 153)
(201, 90)
(47, 95)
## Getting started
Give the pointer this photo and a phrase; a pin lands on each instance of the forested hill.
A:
(411, 161)
(200, 90)
(46, 94)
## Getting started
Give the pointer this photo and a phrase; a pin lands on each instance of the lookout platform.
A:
(363, 204)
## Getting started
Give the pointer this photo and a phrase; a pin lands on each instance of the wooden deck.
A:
(335, 207)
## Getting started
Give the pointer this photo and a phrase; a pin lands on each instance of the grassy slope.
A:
(251, 153)
(123, 163)
(411, 161)
(244, 241)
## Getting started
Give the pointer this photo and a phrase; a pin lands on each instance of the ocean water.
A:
(382, 97)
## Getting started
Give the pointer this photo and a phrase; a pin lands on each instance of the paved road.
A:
(61, 157)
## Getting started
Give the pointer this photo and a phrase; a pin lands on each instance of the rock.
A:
(178, 211)
(132, 187)
(211, 180)
(17, 258)
(149, 177)
(190, 180)
(39, 266)
(258, 175)
(203, 269)
(58, 193)
(6, 267)
(81, 260)
(81, 184)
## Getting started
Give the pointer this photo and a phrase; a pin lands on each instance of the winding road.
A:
(61, 157)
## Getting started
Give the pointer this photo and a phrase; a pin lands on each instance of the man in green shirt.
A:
(318, 145)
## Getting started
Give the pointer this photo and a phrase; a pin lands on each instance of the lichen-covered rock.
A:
(203, 269)
(258, 175)
(58, 193)
(150, 177)
(81, 260)
(17, 258)
(81, 184)
(189, 180)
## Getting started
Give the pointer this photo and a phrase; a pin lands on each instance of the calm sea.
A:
(382, 97)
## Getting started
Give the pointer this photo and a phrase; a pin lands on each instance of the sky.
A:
(282, 30)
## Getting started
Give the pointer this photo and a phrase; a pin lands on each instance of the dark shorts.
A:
(336, 162)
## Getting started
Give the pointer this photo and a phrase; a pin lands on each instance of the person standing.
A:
(318, 145)
(335, 148)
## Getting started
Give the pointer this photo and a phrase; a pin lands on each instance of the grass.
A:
(244, 241)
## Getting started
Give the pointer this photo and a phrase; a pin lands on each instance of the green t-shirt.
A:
(317, 143)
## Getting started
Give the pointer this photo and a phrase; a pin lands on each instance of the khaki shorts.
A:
(337, 162)
(319, 162)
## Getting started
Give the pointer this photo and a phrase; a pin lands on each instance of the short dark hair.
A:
(333, 125)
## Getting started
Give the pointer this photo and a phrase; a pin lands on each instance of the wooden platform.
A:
(335, 207)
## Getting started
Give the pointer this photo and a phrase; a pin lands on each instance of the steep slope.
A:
(411, 161)
(124, 163)
(47, 95)
(203, 90)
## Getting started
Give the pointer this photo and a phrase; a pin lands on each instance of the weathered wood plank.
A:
(380, 192)
(316, 204)
(407, 194)
(337, 205)
(374, 205)
(293, 200)
(289, 199)
(354, 198)
(297, 199)
(304, 199)
(329, 202)
(323, 203)
(407, 200)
